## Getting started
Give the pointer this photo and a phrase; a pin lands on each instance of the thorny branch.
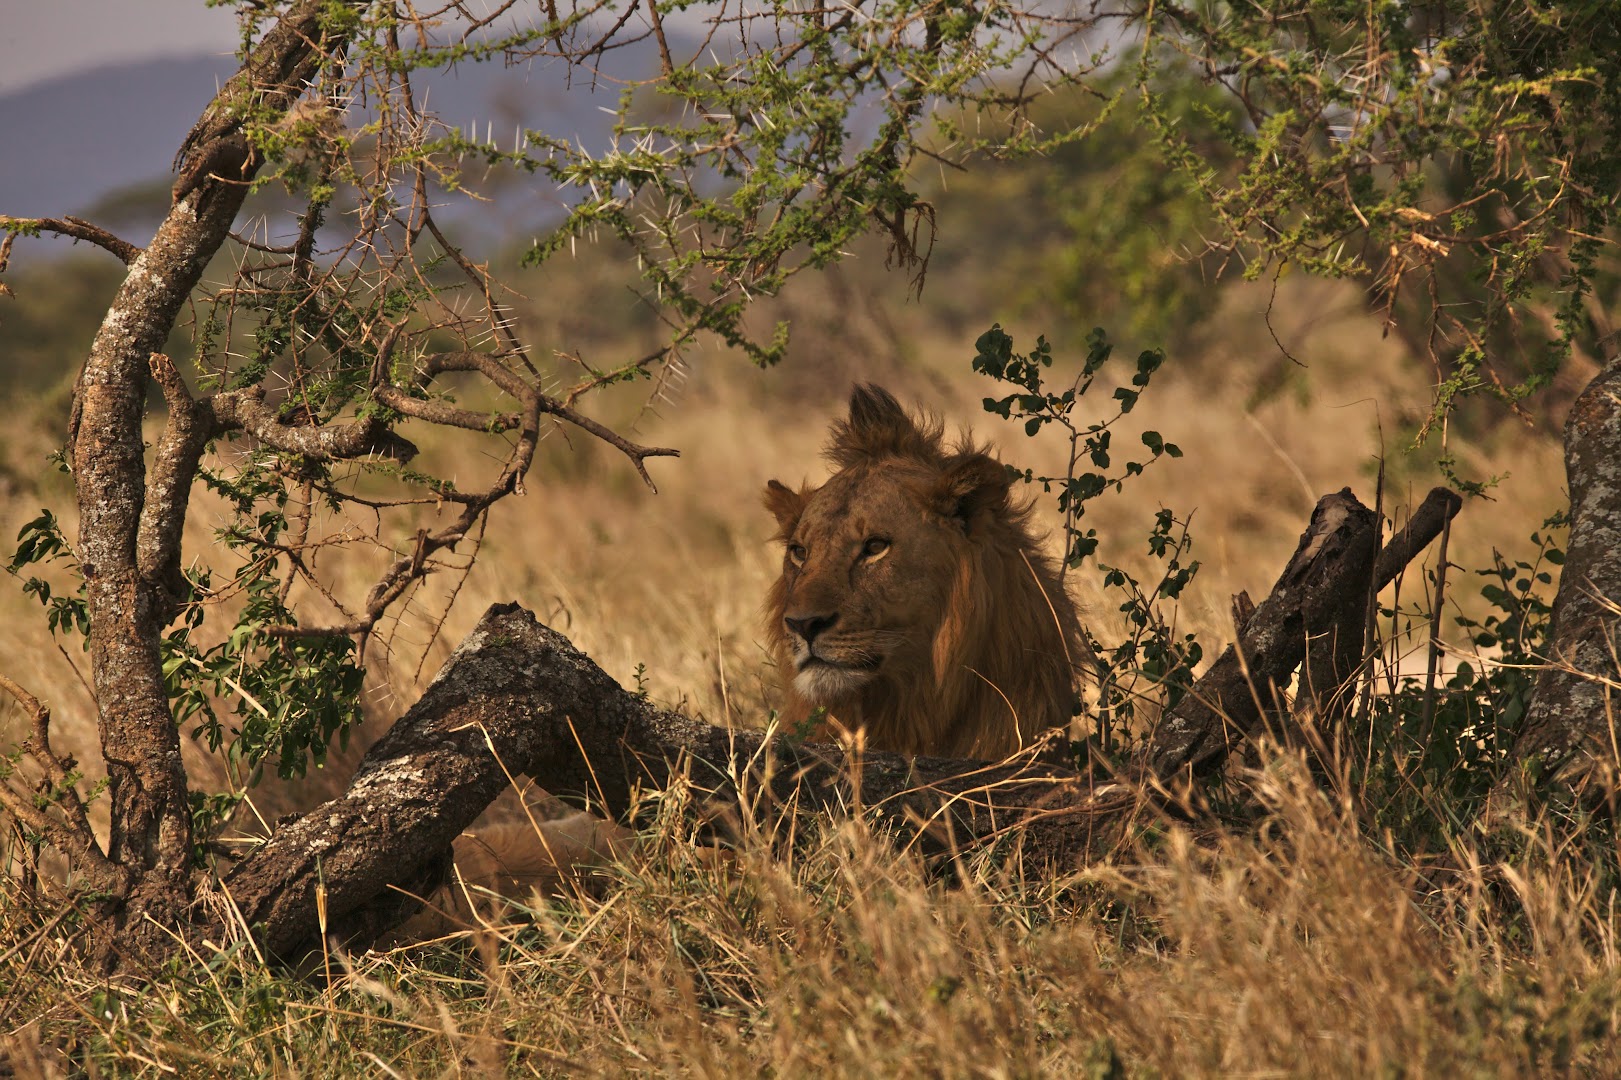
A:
(326, 345)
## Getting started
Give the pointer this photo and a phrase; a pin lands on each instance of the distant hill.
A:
(105, 139)
(71, 141)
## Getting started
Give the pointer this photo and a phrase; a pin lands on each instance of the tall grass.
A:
(1296, 945)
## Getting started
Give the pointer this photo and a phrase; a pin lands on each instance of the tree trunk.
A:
(129, 528)
(1570, 727)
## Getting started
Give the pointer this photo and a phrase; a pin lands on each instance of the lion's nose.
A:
(811, 625)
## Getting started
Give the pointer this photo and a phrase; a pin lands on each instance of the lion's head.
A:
(914, 603)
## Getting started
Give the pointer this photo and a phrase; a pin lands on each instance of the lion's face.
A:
(867, 571)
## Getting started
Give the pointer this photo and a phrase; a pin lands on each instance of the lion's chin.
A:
(821, 683)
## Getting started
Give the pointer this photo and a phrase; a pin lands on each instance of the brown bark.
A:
(1570, 727)
(129, 528)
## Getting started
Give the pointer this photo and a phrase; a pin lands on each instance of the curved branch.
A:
(443, 414)
(486, 364)
(246, 410)
(409, 568)
(215, 153)
(77, 229)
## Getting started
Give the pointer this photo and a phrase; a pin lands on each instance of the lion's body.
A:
(501, 860)
(914, 605)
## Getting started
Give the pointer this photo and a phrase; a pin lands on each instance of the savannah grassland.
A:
(1296, 932)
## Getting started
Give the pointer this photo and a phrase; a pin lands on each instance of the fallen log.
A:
(1327, 578)
(517, 698)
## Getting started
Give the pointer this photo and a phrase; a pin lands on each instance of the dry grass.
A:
(1297, 948)
(1300, 942)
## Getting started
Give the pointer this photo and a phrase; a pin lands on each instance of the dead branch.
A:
(1314, 598)
(1439, 507)
(72, 834)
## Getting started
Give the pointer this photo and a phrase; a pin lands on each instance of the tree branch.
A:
(215, 154)
(1439, 507)
(246, 410)
(442, 413)
(168, 488)
(78, 229)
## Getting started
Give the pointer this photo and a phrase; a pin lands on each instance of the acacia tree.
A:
(1460, 158)
(783, 132)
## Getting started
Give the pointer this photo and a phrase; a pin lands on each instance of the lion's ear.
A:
(785, 505)
(971, 484)
(878, 427)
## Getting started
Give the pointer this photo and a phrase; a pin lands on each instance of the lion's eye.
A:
(874, 547)
(796, 554)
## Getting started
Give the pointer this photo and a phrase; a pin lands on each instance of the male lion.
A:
(914, 604)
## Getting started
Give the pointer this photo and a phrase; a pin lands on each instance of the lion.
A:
(915, 608)
(915, 605)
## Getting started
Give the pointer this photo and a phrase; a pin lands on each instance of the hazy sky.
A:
(41, 39)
